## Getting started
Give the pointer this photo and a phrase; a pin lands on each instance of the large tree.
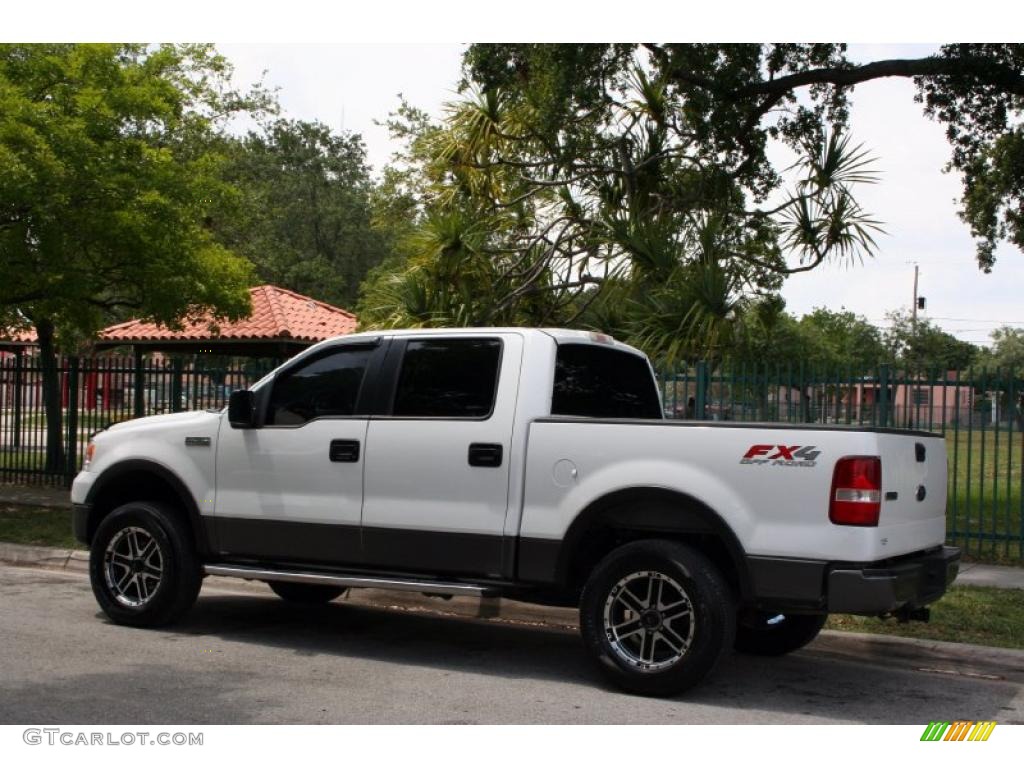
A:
(632, 184)
(825, 343)
(736, 98)
(1005, 358)
(920, 346)
(306, 222)
(108, 179)
(533, 214)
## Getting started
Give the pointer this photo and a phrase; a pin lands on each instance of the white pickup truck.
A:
(529, 464)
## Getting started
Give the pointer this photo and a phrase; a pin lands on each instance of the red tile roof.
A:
(277, 315)
(24, 336)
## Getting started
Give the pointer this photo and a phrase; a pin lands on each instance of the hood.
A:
(198, 418)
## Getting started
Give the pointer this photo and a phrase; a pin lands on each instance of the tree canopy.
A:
(305, 215)
(922, 346)
(1006, 355)
(631, 188)
(738, 97)
(108, 176)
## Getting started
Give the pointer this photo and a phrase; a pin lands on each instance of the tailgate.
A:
(913, 514)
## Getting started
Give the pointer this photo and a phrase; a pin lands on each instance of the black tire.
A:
(776, 634)
(124, 579)
(692, 643)
(306, 594)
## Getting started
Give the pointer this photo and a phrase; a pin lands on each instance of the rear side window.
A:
(326, 386)
(448, 378)
(603, 383)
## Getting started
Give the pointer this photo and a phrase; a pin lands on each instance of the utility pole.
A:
(914, 305)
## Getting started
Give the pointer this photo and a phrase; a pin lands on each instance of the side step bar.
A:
(302, 577)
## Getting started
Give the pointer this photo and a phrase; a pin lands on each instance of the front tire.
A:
(306, 594)
(656, 616)
(776, 634)
(143, 565)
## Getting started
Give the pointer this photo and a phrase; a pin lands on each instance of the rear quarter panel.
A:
(775, 507)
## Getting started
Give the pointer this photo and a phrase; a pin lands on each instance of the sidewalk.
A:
(982, 575)
(974, 574)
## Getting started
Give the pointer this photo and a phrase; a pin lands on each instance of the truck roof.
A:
(560, 335)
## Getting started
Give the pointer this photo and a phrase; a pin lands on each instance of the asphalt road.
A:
(244, 656)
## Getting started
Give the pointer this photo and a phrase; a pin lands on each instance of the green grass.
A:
(977, 615)
(24, 460)
(42, 526)
(985, 493)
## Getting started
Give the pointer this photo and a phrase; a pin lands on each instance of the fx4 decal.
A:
(782, 455)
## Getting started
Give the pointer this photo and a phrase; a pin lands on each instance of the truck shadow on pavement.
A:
(807, 684)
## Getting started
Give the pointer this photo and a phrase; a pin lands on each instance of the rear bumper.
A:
(910, 583)
(816, 586)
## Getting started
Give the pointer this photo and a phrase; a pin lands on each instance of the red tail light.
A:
(856, 497)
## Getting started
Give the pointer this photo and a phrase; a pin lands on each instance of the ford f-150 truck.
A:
(524, 463)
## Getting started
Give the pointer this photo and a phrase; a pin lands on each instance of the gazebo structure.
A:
(282, 323)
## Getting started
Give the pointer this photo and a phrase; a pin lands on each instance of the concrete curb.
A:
(935, 656)
(44, 557)
(954, 659)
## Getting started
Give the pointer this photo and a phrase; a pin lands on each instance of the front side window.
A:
(448, 378)
(603, 383)
(326, 386)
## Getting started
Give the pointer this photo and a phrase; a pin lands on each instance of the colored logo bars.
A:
(958, 730)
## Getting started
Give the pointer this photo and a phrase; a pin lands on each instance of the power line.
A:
(978, 320)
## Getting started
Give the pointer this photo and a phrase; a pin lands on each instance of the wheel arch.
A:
(635, 513)
(145, 480)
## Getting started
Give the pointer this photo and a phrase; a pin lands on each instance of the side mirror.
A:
(242, 409)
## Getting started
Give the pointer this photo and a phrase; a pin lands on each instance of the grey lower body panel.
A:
(347, 546)
(80, 521)
(911, 584)
(866, 588)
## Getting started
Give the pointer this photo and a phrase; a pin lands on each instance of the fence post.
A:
(700, 408)
(19, 361)
(72, 421)
(139, 405)
(177, 367)
(883, 396)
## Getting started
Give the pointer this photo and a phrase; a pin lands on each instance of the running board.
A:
(305, 577)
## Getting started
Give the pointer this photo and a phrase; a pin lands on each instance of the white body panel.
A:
(417, 470)
(285, 473)
(160, 439)
(773, 509)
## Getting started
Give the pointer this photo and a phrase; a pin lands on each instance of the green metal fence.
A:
(980, 414)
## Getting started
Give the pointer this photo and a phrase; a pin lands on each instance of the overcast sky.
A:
(350, 86)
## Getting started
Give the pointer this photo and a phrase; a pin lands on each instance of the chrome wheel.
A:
(649, 620)
(133, 566)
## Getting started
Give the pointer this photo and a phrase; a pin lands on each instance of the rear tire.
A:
(143, 565)
(656, 616)
(305, 594)
(776, 634)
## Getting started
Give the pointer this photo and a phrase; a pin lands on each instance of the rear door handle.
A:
(485, 454)
(346, 451)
